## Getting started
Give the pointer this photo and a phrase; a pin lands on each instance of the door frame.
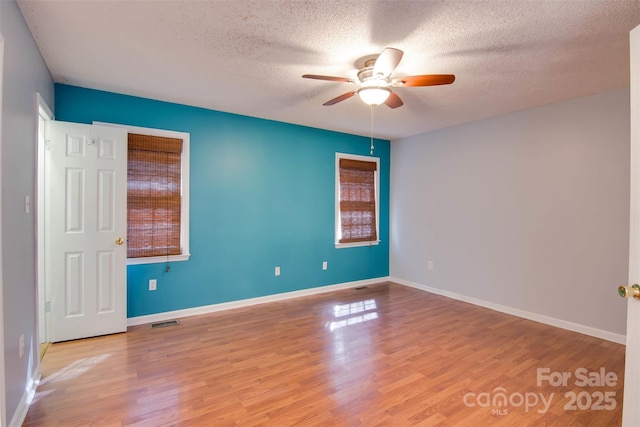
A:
(3, 408)
(42, 110)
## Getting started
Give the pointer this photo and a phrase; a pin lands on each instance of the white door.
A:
(86, 235)
(631, 406)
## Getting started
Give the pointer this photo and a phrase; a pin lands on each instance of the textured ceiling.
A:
(247, 57)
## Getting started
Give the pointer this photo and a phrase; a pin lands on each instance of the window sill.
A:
(356, 244)
(158, 259)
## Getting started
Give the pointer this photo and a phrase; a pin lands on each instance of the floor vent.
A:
(359, 288)
(165, 324)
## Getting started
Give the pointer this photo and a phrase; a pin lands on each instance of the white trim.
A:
(3, 403)
(563, 324)
(338, 229)
(158, 259)
(43, 108)
(356, 244)
(25, 401)
(42, 111)
(160, 317)
(184, 174)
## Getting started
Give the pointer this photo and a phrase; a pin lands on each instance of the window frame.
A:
(184, 191)
(376, 178)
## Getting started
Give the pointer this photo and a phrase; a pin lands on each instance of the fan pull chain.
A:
(166, 172)
(371, 151)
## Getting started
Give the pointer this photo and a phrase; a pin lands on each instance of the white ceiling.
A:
(247, 57)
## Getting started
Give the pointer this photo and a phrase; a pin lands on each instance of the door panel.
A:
(106, 200)
(106, 286)
(87, 212)
(74, 195)
(74, 284)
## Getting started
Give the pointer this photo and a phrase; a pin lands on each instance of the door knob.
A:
(629, 291)
(119, 241)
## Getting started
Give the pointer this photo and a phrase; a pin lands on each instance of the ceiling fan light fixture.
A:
(374, 95)
(375, 80)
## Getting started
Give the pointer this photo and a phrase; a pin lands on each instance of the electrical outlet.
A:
(324, 265)
(21, 346)
(153, 283)
(430, 265)
(277, 271)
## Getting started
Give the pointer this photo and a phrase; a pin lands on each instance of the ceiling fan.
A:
(375, 80)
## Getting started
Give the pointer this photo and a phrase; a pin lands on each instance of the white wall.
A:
(528, 210)
(24, 74)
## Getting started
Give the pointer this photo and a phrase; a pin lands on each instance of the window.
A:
(157, 195)
(357, 193)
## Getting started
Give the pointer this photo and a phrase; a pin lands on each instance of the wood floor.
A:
(385, 355)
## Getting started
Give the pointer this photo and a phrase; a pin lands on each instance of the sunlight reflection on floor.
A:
(365, 307)
(76, 368)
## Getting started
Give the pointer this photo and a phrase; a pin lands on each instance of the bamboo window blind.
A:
(153, 196)
(357, 201)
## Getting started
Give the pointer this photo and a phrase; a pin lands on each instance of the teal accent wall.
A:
(262, 195)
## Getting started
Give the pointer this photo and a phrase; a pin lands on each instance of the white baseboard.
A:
(574, 327)
(25, 401)
(168, 315)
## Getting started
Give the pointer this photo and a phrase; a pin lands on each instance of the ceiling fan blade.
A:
(387, 61)
(329, 78)
(424, 80)
(394, 101)
(340, 98)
